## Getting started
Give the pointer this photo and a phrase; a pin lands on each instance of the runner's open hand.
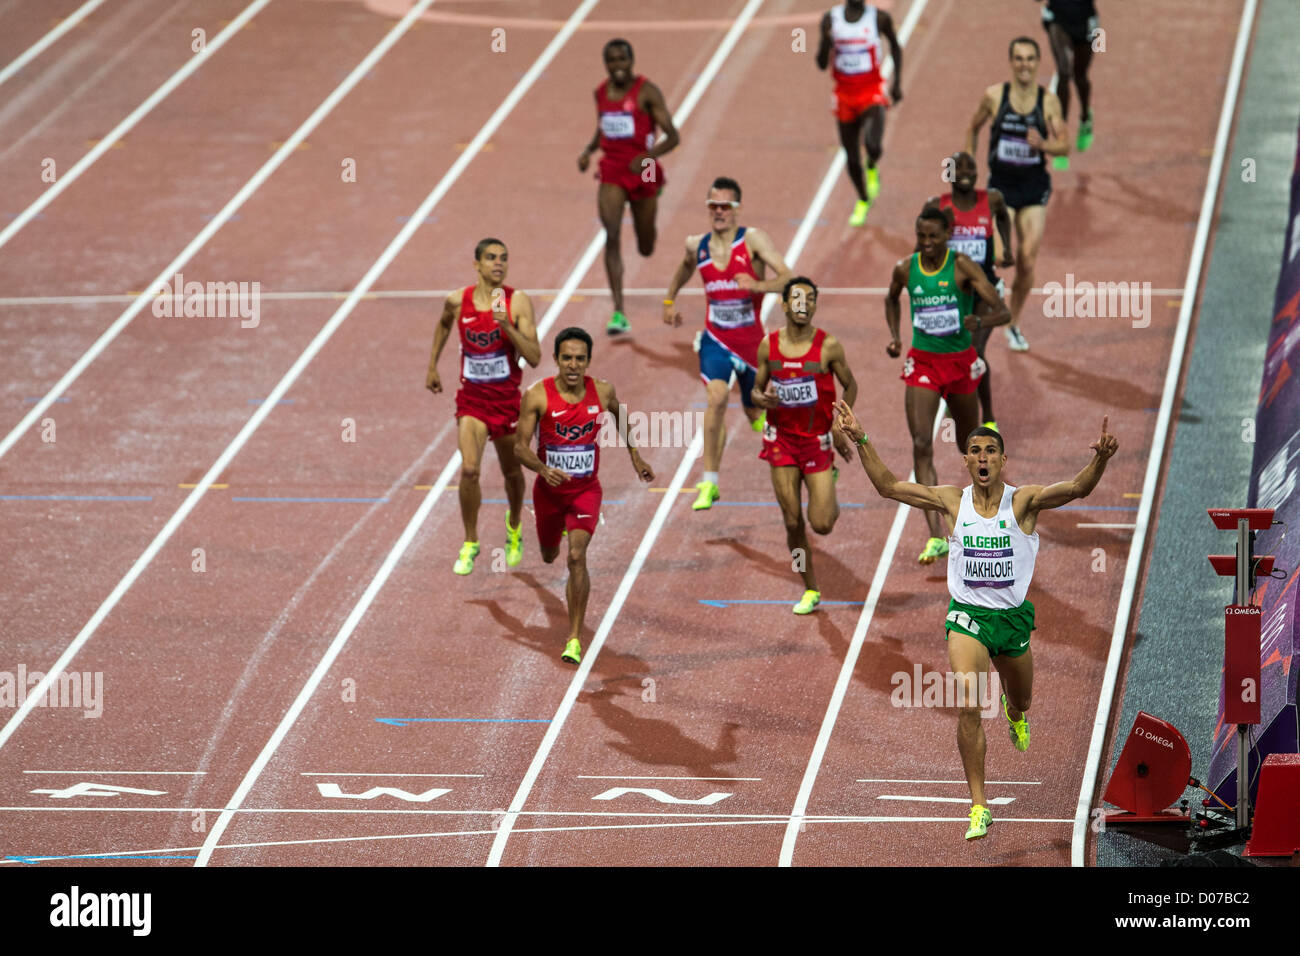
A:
(845, 423)
(1106, 445)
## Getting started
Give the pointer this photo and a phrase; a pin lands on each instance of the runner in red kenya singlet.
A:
(629, 109)
(495, 326)
(797, 369)
(566, 411)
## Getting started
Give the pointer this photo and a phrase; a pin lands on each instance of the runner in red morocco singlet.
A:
(733, 327)
(629, 109)
(853, 31)
(993, 531)
(797, 369)
(564, 411)
(495, 325)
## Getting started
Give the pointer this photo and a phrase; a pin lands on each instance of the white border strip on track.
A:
(877, 581)
(124, 127)
(45, 42)
(277, 393)
(1155, 461)
(426, 506)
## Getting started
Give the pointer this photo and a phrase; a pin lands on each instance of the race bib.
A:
(1016, 151)
(853, 61)
(487, 368)
(732, 313)
(988, 567)
(937, 319)
(579, 461)
(796, 392)
(617, 125)
(972, 246)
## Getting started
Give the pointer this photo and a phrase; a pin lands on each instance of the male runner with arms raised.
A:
(495, 325)
(732, 328)
(566, 494)
(994, 546)
(629, 110)
(1027, 125)
(852, 31)
(972, 213)
(941, 285)
(797, 369)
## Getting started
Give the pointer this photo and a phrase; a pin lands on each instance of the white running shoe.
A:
(1016, 340)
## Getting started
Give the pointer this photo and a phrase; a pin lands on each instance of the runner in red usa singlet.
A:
(797, 369)
(629, 109)
(495, 326)
(566, 412)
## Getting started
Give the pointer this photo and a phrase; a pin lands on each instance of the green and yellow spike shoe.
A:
(708, 494)
(1019, 729)
(1061, 163)
(759, 423)
(980, 819)
(873, 183)
(465, 563)
(992, 424)
(514, 542)
(1085, 134)
(617, 324)
(860, 210)
(809, 601)
(572, 652)
(935, 549)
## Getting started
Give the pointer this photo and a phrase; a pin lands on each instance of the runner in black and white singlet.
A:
(993, 544)
(1027, 125)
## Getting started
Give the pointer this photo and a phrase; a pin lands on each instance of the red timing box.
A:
(1151, 773)
(1261, 519)
(1276, 827)
(1226, 564)
(1241, 664)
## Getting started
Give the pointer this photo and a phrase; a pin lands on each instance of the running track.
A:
(449, 684)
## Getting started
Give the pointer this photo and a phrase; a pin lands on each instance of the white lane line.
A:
(307, 296)
(991, 801)
(321, 773)
(208, 231)
(877, 580)
(45, 42)
(145, 773)
(991, 783)
(263, 410)
(124, 127)
(1155, 461)
(426, 506)
(583, 776)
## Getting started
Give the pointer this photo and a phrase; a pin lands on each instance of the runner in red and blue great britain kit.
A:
(797, 369)
(972, 214)
(629, 109)
(565, 411)
(733, 325)
(495, 326)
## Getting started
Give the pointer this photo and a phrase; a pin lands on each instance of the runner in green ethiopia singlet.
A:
(938, 307)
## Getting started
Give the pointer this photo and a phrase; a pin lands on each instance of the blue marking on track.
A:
(94, 856)
(403, 721)
(327, 501)
(76, 497)
(727, 602)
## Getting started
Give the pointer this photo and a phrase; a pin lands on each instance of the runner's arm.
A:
(973, 277)
(762, 248)
(762, 378)
(1058, 143)
(657, 108)
(943, 498)
(522, 332)
(892, 306)
(584, 158)
(839, 364)
(983, 114)
(1002, 217)
(441, 332)
(1063, 492)
(885, 26)
(531, 407)
(610, 403)
(824, 43)
(685, 269)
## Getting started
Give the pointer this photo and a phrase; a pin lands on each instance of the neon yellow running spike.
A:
(1085, 134)
(708, 495)
(1019, 728)
(980, 819)
(809, 601)
(572, 652)
(759, 423)
(991, 424)
(514, 542)
(860, 210)
(1061, 162)
(873, 183)
(935, 549)
(465, 563)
